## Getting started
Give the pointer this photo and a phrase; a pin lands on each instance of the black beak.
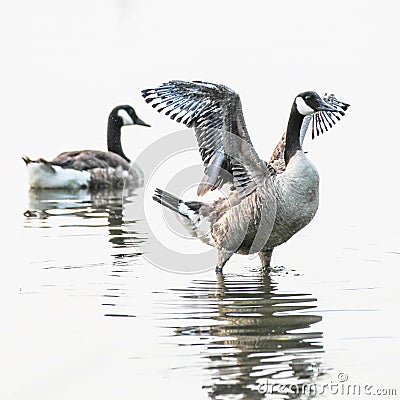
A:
(138, 121)
(324, 106)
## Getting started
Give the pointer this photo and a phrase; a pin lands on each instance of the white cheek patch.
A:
(126, 118)
(302, 107)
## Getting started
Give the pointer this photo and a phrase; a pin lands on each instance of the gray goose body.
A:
(91, 169)
(290, 199)
(268, 202)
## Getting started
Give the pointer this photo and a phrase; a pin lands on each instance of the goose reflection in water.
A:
(89, 209)
(79, 222)
(255, 334)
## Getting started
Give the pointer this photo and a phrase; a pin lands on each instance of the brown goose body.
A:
(91, 169)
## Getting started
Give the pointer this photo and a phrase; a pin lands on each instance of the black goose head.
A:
(309, 107)
(308, 103)
(126, 115)
(119, 117)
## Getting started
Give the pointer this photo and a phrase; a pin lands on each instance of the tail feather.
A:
(188, 209)
(26, 159)
(167, 200)
(44, 163)
(195, 214)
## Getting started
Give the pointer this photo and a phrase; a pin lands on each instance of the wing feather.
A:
(320, 122)
(215, 113)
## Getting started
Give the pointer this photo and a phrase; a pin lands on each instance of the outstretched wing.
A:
(320, 122)
(215, 113)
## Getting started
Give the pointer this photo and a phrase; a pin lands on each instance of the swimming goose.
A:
(91, 168)
(268, 202)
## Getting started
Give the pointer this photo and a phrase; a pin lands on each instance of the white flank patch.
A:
(203, 231)
(198, 227)
(302, 107)
(185, 210)
(41, 177)
(126, 118)
(137, 173)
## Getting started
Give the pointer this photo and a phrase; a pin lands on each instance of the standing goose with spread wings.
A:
(268, 202)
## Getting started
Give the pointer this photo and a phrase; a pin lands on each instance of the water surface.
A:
(93, 317)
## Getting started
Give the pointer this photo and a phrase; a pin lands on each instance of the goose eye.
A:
(307, 97)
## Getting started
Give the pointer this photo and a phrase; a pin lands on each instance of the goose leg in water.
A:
(223, 257)
(265, 257)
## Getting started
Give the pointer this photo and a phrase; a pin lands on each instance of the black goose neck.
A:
(293, 133)
(114, 136)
